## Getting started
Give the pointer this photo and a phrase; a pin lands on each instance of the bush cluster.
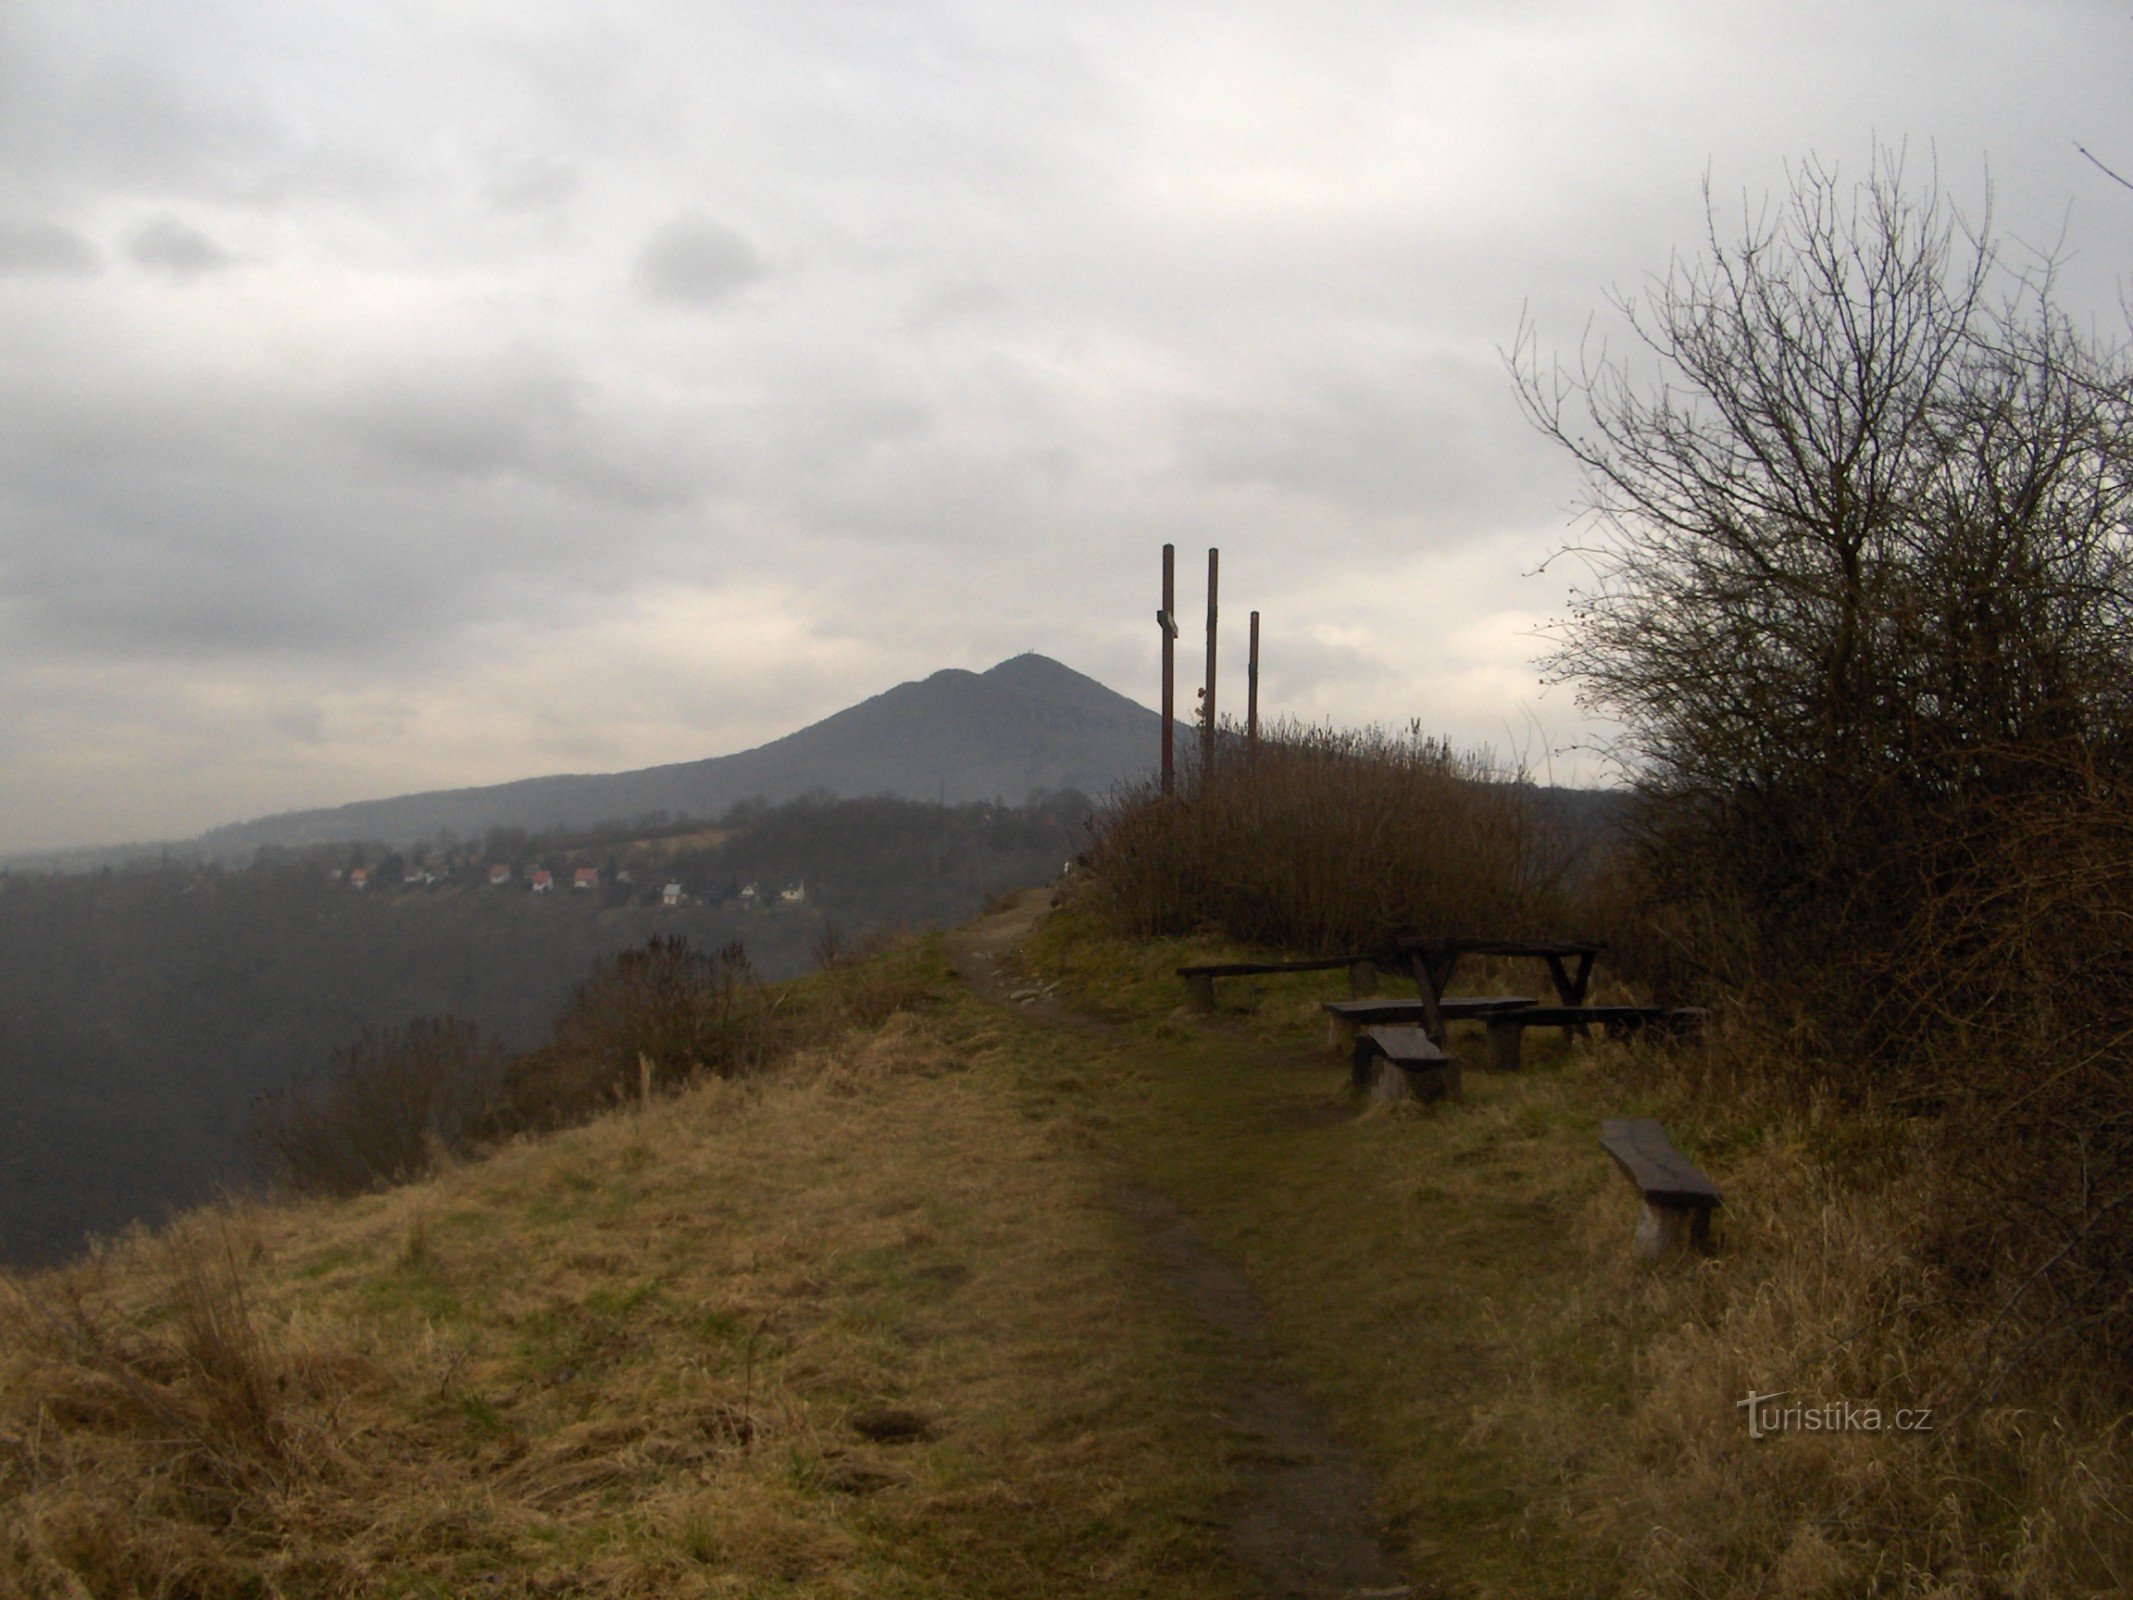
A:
(397, 1100)
(646, 1020)
(1325, 841)
(389, 1103)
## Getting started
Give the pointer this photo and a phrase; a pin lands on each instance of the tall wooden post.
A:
(1251, 694)
(1207, 703)
(1167, 620)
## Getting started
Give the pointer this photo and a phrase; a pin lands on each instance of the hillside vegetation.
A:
(883, 1319)
(142, 1010)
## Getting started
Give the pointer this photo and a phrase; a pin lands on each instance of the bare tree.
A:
(1860, 599)
(1859, 549)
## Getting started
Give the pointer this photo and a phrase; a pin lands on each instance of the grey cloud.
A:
(530, 418)
(176, 249)
(470, 423)
(533, 184)
(155, 535)
(955, 302)
(111, 112)
(1382, 440)
(697, 260)
(45, 249)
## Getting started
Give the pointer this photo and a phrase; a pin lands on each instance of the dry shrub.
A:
(391, 1102)
(184, 1401)
(684, 1012)
(1330, 841)
(226, 1353)
(2007, 1013)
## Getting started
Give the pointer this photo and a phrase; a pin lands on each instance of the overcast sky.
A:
(403, 394)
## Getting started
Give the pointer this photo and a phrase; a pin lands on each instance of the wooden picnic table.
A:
(1432, 961)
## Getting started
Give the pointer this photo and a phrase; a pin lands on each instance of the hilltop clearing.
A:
(1043, 1289)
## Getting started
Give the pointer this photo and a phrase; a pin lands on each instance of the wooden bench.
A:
(1507, 1028)
(1345, 1017)
(1678, 1199)
(1200, 980)
(1404, 1064)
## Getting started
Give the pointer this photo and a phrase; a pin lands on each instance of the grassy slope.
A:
(642, 1358)
(645, 1357)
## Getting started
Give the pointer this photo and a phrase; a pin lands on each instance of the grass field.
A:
(887, 1321)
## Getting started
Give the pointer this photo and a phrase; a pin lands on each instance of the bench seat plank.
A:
(1393, 1063)
(1362, 1012)
(1662, 1174)
(1243, 969)
(1405, 1046)
(1200, 977)
(1344, 1017)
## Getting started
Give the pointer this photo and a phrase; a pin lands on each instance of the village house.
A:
(585, 878)
(749, 897)
(793, 894)
(543, 880)
(499, 875)
(670, 895)
(358, 877)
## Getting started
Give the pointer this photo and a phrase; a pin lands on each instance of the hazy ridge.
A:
(1028, 725)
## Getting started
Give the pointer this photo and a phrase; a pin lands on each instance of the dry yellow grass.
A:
(1545, 1416)
(862, 1328)
(874, 1325)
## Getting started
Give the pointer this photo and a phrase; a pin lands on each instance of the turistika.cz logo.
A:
(1766, 1416)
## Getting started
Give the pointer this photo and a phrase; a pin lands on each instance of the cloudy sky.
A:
(400, 394)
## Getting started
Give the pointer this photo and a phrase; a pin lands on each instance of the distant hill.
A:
(1026, 726)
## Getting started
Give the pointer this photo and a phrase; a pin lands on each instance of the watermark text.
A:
(1772, 1414)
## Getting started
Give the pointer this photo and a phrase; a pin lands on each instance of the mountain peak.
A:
(1029, 670)
(1028, 724)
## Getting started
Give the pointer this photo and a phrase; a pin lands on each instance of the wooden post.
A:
(1207, 701)
(1167, 619)
(1251, 694)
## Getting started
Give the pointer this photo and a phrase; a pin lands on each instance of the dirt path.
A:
(1303, 1522)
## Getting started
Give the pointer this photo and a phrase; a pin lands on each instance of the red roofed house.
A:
(585, 878)
(543, 880)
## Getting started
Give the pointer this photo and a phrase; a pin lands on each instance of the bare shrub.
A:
(390, 1101)
(1862, 602)
(232, 1369)
(201, 1392)
(1330, 841)
(1859, 571)
(686, 1012)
